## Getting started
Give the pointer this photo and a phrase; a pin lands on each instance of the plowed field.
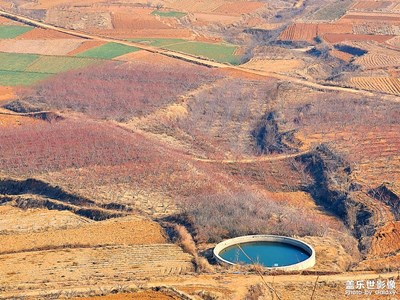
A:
(300, 32)
(388, 85)
(44, 47)
(371, 5)
(370, 18)
(115, 232)
(33, 220)
(338, 38)
(238, 8)
(90, 267)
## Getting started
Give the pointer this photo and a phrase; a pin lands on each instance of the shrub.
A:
(118, 91)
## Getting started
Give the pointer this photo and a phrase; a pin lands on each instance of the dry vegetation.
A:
(116, 91)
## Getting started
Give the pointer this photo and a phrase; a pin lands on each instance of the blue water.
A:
(268, 254)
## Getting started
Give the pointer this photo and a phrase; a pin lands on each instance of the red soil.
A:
(238, 8)
(86, 46)
(338, 38)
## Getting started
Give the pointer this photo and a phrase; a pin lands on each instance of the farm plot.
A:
(341, 55)
(159, 42)
(388, 85)
(45, 47)
(370, 18)
(338, 38)
(300, 32)
(85, 46)
(44, 34)
(371, 5)
(205, 6)
(169, 14)
(108, 51)
(16, 62)
(331, 12)
(34, 220)
(125, 21)
(122, 231)
(12, 31)
(238, 8)
(89, 266)
(15, 78)
(376, 29)
(218, 52)
(334, 28)
(278, 65)
(58, 64)
(373, 60)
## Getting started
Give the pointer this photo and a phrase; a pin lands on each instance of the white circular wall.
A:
(305, 264)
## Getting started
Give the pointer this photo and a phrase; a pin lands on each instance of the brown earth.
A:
(6, 93)
(43, 47)
(386, 240)
(279, 65)
(44, 34)
(127, 231)
(238, 8)
(338, 38)
(85, 46)
(35, 220)
(341, 55)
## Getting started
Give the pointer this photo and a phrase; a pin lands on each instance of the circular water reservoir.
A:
(270, 251)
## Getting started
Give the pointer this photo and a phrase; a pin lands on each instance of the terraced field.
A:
(126, 231)
(35, 220)
(300, 32)
(390, 85)
(40, 270)
(381, 59)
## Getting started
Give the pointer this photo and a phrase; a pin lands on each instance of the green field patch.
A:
(331, 12)
(14, 78)
(219, 52)
(15, 61)
(108, 51)
(58, 64)
(169, 14)
(12, 31)
(158, 42)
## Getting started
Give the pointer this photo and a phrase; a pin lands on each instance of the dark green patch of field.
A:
(108, 51)
(219, 52)
(12, 31)
(15, 78)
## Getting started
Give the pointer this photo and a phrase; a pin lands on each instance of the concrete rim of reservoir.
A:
(305, 264)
